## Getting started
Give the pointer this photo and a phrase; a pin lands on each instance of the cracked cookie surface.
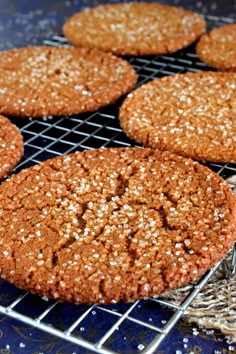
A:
(113, 224)
(11, 146)
(193, 115)
(217, 48)
(134, 28)
(52, 81)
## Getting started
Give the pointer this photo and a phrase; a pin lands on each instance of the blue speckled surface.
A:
(24, 23)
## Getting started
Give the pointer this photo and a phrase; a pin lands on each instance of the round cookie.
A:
(11, 146)
(217, 48)
(191, 114)
(111, 225)
(134, 28)
(45, 81)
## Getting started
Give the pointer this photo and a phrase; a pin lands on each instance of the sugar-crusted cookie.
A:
(42, 81)
(191, 114)
(134, 28)
(113, 225)
(11, 146)
(217, 48)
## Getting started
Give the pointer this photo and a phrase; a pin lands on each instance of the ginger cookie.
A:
(11, 146)
(115, 224)
(42, 81)
(217, 48)
(193, 115)
(134, 28)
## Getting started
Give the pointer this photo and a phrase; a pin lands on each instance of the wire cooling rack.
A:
(101, 328)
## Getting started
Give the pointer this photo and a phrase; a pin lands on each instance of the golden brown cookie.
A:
(111, 225)
(134, 28)
(218, 48)
(11, 146)
(42, 81)
(193, 115)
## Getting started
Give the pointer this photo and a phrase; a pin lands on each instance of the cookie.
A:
(134, 28)
(11, 146)
(111, 225)
(42, 81)
(218, 48)
(191, 114)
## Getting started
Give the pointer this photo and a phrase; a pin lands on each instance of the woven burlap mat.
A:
(215, 305)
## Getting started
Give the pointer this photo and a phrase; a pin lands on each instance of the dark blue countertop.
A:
(24, 23)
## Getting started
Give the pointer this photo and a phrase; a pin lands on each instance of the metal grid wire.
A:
(44, 139)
